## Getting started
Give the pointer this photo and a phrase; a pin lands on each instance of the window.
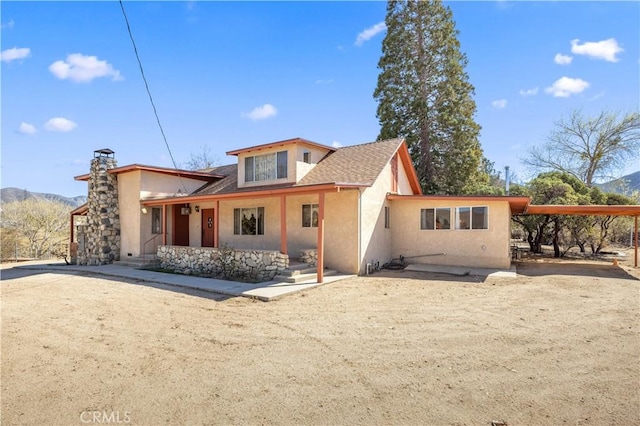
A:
(306, 157)
(480, 218)
(472, 218)
(156, 220)
(309, 215)
(439, 218)
(387, 225)
(265, 167)
(463, 218)
(248, 221)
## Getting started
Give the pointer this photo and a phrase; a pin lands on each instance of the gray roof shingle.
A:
(356, 165)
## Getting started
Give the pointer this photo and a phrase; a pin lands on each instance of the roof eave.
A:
(292, 190)
(517, 204)
(280, 143)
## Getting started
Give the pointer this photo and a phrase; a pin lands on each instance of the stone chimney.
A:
(99, 239)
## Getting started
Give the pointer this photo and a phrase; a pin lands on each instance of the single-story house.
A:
(347, 209)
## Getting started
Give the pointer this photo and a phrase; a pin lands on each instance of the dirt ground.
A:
(558, 345)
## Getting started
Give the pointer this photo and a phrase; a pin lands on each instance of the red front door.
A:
(180, 226)
(207, 227)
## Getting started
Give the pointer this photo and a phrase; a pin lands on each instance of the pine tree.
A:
(424, 95)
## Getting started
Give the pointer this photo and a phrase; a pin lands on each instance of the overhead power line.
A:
(146, 85)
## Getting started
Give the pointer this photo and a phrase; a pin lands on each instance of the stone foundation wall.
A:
(99, 239)
(309, 256)
(250, 265)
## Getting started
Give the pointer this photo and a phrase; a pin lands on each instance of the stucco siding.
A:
(404, 187)
(341, 231)
(299, 237)
(475, 248)
(376, 239)
(161, 185)
(131, 218)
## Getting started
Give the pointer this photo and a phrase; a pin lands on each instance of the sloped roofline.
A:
(80, 210)
(281, 143)
(205, 176)
(407, 163)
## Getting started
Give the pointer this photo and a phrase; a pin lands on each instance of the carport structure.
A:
(592, 210)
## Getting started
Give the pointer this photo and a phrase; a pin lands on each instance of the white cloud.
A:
(561, 59)
(529, 92)
(329, 81)
(605, 49)
(8, 25)
(369, 33)
(499, 104)
(14, 53)
(336, 144)
(27, 129)
(566, 86)
(261, 113)
(60, 124)
(82, 69)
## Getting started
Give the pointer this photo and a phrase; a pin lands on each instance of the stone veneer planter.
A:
(251, 265)
(309, 256)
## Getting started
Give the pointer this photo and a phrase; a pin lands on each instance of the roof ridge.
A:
(371, 143)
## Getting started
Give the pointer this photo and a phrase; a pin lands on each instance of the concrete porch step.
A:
(298, 268)
(294, 279)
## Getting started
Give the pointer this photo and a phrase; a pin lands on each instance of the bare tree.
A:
(202, 160)
(42, 223)
(589, 148)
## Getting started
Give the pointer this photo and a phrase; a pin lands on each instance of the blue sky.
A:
(235, 74)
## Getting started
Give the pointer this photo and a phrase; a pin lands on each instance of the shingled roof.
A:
(354, 165)
(357, 164)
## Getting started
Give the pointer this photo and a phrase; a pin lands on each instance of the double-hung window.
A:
(265, 167)
(248, 221)
(438, 218)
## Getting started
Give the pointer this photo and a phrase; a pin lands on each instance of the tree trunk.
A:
(556, 233)
(531, 241)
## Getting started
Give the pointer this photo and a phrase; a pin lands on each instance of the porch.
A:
(259, 228)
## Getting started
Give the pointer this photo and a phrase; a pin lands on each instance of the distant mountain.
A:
(625, 185)
(14, 194)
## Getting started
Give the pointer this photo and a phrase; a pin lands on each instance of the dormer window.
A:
(306, 157)
(265, 167)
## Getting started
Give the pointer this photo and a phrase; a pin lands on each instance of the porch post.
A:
(283, 224)
(635, 245)
(164, 224)
(216, 225)
(71, 233)
(320, 265)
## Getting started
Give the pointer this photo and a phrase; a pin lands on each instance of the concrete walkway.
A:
(463, 270)
(266, 291)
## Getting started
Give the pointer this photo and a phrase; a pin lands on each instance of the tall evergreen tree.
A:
(424, 95)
